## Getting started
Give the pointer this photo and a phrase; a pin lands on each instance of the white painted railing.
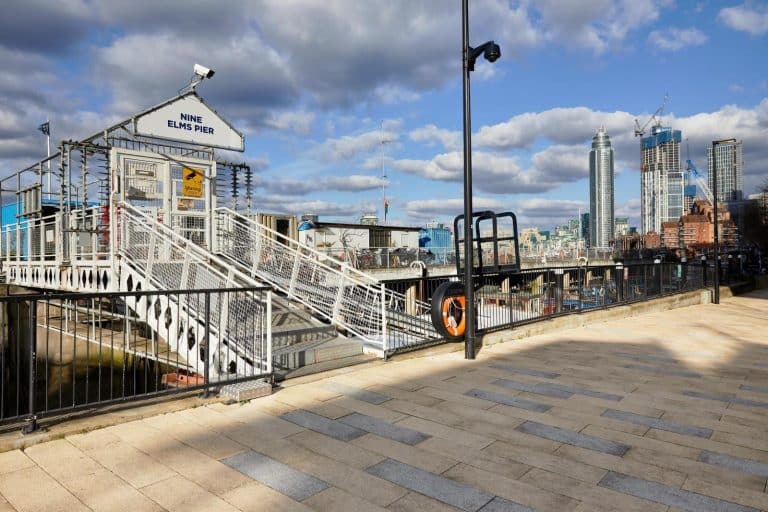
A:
(154, 257)
(332, 289)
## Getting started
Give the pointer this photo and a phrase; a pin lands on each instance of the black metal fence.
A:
(68, 352)
(510, 299)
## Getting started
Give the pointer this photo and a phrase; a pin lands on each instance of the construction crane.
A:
(691, 168)
(640, 130)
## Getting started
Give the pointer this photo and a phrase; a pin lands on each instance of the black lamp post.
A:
(715, 143)
(491, 52)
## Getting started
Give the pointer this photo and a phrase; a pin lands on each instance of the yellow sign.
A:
(191, 182)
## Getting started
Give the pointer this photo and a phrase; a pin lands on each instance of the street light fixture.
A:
(716, 143)
(491, 51)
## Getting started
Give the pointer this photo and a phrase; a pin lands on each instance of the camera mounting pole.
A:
(491, 52)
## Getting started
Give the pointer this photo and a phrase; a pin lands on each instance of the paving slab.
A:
(500, 398)
(280, 477)
(660, 424)
(366, 395)
(752, 467)
(384, 429)
(525, 371)
(323, 425)
(437, 487)
(670, 496)
(573, 438)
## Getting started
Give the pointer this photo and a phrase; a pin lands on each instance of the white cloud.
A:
(674, 39)
(430, 208)
(350, 146)
(597, 25)
(747, 17)
(431, 134)
(736, 88)
(298, 122)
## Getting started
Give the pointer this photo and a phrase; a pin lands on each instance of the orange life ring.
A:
(454, 319)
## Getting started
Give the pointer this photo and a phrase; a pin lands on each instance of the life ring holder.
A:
(448, 310)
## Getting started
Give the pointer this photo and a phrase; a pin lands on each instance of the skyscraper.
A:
(730, 172)
(661, 179)
(601, 190)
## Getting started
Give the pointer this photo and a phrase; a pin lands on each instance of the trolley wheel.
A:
(448, 308)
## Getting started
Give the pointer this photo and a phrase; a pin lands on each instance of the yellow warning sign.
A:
(192, 182)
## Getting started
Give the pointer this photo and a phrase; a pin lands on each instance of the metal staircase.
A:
(151, 256)
(352, 300)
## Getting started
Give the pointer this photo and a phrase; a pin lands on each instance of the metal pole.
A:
(469, 290)
(207, 344)
(31, 424)
(717, 222)
(48, 137)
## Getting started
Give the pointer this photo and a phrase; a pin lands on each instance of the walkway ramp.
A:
(334, 291)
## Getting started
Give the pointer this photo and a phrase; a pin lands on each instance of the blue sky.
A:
(316, 85)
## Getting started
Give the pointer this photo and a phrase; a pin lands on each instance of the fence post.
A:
(559, 290)
(207, 343)
(268, 367)
(645, 280)
(31, 424)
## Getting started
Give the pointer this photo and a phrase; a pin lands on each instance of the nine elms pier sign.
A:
(189, 119)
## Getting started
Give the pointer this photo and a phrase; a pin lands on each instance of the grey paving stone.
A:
(323, 425)
(501, 505)
(663, 371)
(525, 371)
(726, 398)
(576, 390)
(644, 357)
(512, 401)
(562, 435)
(744, 465)
(278, 476)
(365, 395)
(670, 496)
(555, 390)
(436, 487)
(532, 388)
(657, 423)
(384, 429)
(758, 389)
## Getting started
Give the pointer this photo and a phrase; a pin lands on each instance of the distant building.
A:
(585, 229)
(601, 190)
(730, 172)
(620, 226)
(689, 196)
(661, 179)
(438, 239)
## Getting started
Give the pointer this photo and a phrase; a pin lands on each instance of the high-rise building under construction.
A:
(601, 190)
(661, 179)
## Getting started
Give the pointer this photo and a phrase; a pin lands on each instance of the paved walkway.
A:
(664, 412)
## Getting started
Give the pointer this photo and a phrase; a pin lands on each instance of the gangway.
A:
(333, 290)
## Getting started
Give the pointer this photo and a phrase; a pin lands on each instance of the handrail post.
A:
(384, 341)
(31, 424)
(268, 320)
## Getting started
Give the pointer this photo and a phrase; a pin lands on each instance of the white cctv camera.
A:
(203, 72)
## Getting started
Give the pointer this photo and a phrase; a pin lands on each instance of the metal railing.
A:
(154, 257)
(507, 300)
(333, 290)
(68, 352)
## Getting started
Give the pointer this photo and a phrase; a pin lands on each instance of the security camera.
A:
(203, 72)
(492, 52)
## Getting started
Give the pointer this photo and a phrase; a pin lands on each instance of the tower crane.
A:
(691, 168)
(640, 130)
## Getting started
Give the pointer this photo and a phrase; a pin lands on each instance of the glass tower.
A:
(601, 190)
(661, 179)
(730, 172)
